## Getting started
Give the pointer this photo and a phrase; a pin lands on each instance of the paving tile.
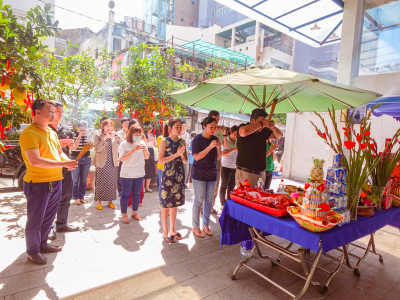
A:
(213, 297)
(21, 282)
(164, 294)
(39, 293)
(203, 285)
(158, 280)
(120, 290)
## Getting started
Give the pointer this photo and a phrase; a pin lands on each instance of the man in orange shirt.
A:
(44, 161)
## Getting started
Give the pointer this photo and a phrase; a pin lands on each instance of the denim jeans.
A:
(79, 176)
(159, 179)
(42, 206)
(203, 191)
(128, 186)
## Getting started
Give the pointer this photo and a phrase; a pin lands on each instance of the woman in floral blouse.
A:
(173, 155)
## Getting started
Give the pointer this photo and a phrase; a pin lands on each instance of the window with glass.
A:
(380, 38)
(221, 11)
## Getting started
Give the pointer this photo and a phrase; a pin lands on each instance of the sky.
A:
(97, 9)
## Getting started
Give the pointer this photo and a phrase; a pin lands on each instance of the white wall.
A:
(270, 52)
(190, 34)
(21, 7)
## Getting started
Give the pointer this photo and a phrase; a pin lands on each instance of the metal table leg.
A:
(298, 257)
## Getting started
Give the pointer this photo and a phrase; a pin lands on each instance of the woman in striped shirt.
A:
(81, 173)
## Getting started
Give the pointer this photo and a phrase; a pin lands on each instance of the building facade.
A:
(211, 12)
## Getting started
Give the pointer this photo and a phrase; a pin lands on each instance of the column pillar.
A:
(233, 36)
(257, 36)
(111, 19)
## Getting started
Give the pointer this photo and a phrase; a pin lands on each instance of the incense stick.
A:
(85, 149)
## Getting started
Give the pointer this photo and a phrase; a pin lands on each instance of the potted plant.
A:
(233, 66)
(209, 60)
(226, 64)
(216, 63)
(200, 74)
(358, 145)
(178, 72)
(186, 69)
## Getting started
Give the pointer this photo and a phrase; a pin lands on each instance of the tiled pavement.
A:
(111, 260)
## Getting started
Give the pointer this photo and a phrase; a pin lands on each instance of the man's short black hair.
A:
(192, 134)
(124, 120)
(132, 122)
(58, 104)
(258, 112)
(213, 113)
(38, 104)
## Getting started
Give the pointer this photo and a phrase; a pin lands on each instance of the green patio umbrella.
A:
(260, 88)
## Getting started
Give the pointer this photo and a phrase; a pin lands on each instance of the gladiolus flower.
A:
(372, 145)
(362, 127)
(344, 128)
(367, 133)
(324, 135)
(349, 144)
(363, 146)
(346, 134)
(358, 137)
(373, 155)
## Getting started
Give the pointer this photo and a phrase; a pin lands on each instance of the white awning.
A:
(314, 22)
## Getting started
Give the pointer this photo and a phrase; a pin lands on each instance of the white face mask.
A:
(136, 138)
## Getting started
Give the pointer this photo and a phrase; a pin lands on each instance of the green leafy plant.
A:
(21, 49)
(144, 85)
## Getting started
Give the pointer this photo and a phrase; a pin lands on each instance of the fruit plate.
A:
(272, 211)
(311, 224)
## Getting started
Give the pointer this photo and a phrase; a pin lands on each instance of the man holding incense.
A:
(65, 137)
(44, 159)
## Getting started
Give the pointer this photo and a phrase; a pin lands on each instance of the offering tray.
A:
(272, 211)
(311, 224)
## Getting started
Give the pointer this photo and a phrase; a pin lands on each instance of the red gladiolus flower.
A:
(362, 128)
(349, 144)
(344, 128)
(367, 133)
(358, 137)
(363, 146)
(373, 155)
(372, 145)
(324, 135)
(346, 134)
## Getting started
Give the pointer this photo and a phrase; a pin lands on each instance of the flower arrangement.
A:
(360, 162)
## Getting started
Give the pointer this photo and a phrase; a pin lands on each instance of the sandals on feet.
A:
(136, 217)
(169, 239)
(178, 236)
(77, 202)
(83, 201)
(125, 219)
(149, 190)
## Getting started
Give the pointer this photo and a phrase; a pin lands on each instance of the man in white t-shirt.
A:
(186, 137)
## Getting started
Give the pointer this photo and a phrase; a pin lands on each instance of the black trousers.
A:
(65, 202)
(227, 184)
(119, 179)
(268, 180)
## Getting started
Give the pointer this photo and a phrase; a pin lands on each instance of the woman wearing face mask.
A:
(106, 143)
(132, 152)
(206, 149)
(173, 155)
(228, 165)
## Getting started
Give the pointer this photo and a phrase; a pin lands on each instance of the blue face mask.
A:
(136, 138)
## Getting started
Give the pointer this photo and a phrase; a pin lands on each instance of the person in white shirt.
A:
(150, 165)
(125, 126)
(122, 134)
(132, 152)
(186, 137)
(228, 165)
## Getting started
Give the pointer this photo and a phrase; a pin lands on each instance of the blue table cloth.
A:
(235, 219)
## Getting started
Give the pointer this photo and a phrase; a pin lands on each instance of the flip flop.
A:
(84, 201)
(149, 190)
(136, 217)
(177, 235)
(169, 239)
(77, 203)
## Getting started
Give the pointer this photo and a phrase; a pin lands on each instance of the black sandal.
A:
(177, 235)
(169, 239)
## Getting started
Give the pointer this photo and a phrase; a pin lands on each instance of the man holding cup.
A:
(67, 143)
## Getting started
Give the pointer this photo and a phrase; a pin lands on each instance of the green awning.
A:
(217, 51)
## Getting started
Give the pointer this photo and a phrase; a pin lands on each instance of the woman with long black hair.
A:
(206, 149)
(173, 155)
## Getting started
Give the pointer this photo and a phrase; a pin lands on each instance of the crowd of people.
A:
(125, 165)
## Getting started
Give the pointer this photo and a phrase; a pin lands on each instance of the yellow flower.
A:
(175, 189)
(164, 194)
(178, 196)
(181, 143)
(167, 143)
(169, 205)
(170, 172)
(180, 178)
(177, 203)
(168, 183)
